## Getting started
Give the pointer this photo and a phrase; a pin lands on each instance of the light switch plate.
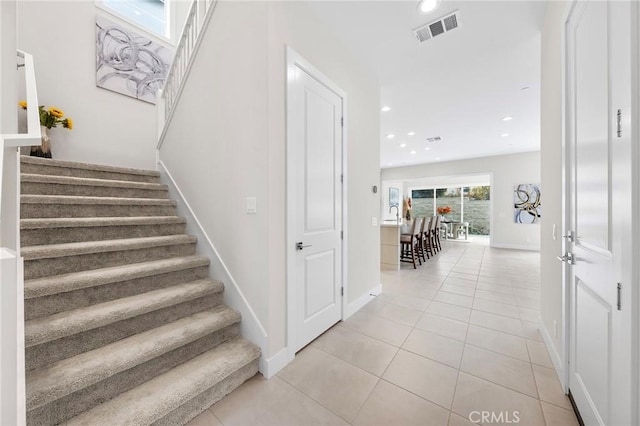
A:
(251, 205)
(374, 221)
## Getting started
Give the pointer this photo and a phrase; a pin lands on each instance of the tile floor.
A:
(440, 345)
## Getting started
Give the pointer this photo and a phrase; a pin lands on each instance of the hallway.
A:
(455, 339)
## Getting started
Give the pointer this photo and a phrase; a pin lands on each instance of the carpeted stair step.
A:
(63, 324)
(44, 166)
(43, 231)
(57, 206)
(69, 387)
(180, 394)
(49, 295)
(64, 185)
(56, 259)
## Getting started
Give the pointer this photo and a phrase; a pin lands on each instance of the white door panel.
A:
(599, 350)
(315, 148)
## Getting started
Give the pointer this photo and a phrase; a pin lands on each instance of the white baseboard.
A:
(276, 363)
(516, 246)
(357, 304)
(556, 359)
(250, 326)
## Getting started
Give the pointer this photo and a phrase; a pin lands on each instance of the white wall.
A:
(227, 142)
(109, 128)
(507, 171)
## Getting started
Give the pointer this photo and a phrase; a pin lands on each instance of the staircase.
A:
(123, 324)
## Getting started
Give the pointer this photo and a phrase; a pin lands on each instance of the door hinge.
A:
(619, 123)
(342, 121)
(342, 235)
(619, 296)
(341, 178)
(341, 291)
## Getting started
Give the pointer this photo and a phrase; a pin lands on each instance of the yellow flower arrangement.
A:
(51, 117)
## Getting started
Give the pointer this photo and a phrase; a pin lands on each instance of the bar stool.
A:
(407, 242)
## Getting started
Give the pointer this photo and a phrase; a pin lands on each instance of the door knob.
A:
(568, 258)
(300, 246)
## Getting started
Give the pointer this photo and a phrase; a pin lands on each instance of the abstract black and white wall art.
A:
(129, 63)
(526, 199)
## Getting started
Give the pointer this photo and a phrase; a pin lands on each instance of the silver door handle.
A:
(568, 257)
(300, 246)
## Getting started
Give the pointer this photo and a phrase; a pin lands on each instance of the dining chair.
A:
(407, 250)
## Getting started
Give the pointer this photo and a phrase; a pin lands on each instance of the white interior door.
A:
(599, 208)
(315, 170)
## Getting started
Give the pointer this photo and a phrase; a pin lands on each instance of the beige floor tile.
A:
(435, 347)
(531, 331)
(466, 269)
(496, 297)
(496, 308)
(379, 328)
(501, 369)
(393, 312)
(532, 294)
(462, 276)
(556, 416)
(443, 326)
(206, 418)
(461, 282)
(538, 354)
(497, 341)
(446, 310)
(404, 300)
(335, 384)
(391, 405)
(526, 314)
(456, 420)
(271, 402)
(528, 302)
(458, 289)
(454, 299)
(496, 288)
(496, 322)
(426, 378)
(549, 387)
(362, 351)
(474, 396)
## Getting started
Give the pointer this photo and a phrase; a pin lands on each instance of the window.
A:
(148, 14)
(468, 204)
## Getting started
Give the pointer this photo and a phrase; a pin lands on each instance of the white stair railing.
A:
(12, 368)
(199, 15)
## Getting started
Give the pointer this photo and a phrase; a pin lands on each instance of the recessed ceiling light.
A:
(390, 164)
(525, 88)
(504, 135)
(413, 152)
(427, 149)
(402, 145)
(386, 108)
(426, 6)
(391, 136)
(438, 159)
(411, 133)
(507, 118)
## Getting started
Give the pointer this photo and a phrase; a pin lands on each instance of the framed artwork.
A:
(394, 197)
(526, 203)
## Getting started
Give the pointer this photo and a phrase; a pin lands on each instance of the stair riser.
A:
(33, 211)
(44, 236)
(38, 268)
(49, 305)
(83, 173)
(49, 352)
(197, 405)
(71, 405)
(38, 188)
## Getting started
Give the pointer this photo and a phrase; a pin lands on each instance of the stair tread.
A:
(76, 222)
(87, 166)
(67, 323)
(72, 374)
(161, 395)
(80, 199)
(72, 180)
(55, 284)
(88, 247)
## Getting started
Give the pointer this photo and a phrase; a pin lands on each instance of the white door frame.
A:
(634, 287)
(294, 60)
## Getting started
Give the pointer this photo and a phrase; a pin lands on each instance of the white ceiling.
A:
(458, 85)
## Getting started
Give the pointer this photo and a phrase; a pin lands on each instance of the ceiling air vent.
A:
(434, 139)
(437, 27)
